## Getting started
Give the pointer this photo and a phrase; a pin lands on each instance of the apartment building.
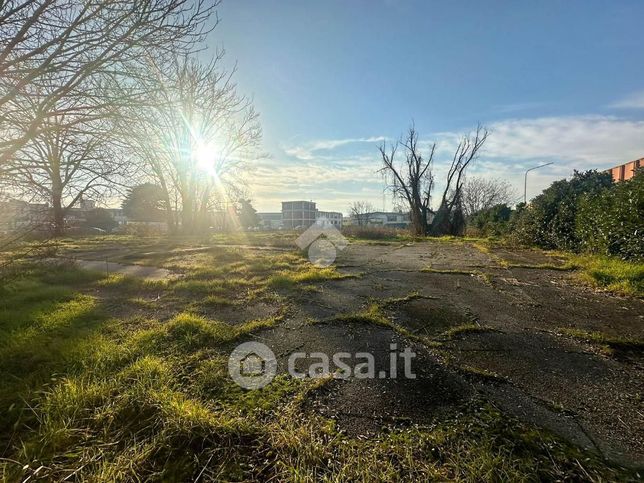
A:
(298, 214)
(625, 171)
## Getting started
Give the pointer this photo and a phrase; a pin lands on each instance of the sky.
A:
(553, 81)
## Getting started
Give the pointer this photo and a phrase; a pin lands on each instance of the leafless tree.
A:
(73, 156)
(74, 43)
(411, 179)
(359, 211)
(483, 193)
(449, 219)
(196, 138)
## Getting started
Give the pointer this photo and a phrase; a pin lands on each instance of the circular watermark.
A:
(252, 365)
(322, 252)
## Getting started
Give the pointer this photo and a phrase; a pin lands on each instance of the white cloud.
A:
(334, 179)
(634, 101)
(308, 151)
(572, 142)
(580, 142)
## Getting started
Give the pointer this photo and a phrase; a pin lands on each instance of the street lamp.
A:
(525, 181)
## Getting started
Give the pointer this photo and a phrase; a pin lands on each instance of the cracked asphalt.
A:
(522, 366)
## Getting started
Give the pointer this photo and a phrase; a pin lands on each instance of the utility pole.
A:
(525, 180)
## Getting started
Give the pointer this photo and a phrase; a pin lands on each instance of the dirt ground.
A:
(518, 359)
(565, 385)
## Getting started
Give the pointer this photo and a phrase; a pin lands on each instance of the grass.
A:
(621, 277)
(480, 373)
(286, 280)
(542, 266)
(448, 271)
(96, 395)
(378, 234)
(611, 274)
(465, 329)
(608, 343)
(373, 314)
(402, 300)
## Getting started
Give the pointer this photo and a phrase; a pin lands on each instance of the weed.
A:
(373, 315)
(481, 373)
(543, 266)
(402, 300)
(465, 329)
(448, 271)
(286, 280)
(216, 301)
(616, 343)
(93, 398)
(612, 274)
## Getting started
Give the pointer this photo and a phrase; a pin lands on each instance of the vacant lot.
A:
(120, 372)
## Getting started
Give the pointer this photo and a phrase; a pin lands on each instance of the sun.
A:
(204, 155)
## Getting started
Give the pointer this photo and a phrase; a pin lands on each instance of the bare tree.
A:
(72, 157)
(483, 193)
(411, 179)
(359, 211)
(76, 42)
(449, 219)
(195, 138)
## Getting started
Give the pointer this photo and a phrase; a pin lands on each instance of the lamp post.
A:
(525, 180)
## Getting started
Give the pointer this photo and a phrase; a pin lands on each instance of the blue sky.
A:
(555, 81)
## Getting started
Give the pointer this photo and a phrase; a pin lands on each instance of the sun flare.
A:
(204, 155)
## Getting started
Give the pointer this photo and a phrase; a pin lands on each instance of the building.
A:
(87, 205)
(270, 221)
(332, 218)
(298, 214)
(118, 214)
(389, 219)
(625, 171)
(17, 215)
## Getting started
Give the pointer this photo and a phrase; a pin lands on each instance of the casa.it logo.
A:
(322, 242)
(252, 365)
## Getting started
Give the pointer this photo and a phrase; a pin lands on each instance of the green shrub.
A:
(549, 220)
(370, 232)
(493, 221)
(611, 222)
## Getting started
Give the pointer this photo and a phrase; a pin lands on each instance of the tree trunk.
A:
(441, 223)
(59, 213)
(418, 222)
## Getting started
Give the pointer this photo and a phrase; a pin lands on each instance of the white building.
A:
(389, 219)
(332, 218)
